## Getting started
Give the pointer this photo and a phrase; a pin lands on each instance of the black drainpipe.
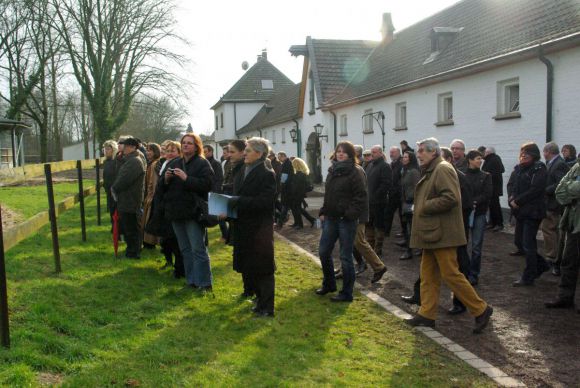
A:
(549, 93)
(298, 139)
(335, 129)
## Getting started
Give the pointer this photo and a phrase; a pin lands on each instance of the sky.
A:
(223, 34)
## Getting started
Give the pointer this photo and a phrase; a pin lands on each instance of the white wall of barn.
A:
(474, 105)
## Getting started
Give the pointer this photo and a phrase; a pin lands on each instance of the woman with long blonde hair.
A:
(300, 185)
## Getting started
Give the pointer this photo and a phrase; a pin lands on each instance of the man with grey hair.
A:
(437, 228)
(556, 169)
(457, 147)
(494, 166)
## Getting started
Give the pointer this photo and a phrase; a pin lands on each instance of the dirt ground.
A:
(539, 346)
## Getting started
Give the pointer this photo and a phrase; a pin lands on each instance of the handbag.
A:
(203, 217)
(408, 208)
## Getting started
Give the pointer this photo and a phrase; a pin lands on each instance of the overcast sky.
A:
(223, 34)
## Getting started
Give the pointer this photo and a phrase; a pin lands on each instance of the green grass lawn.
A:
(31, 200)
(109, 322)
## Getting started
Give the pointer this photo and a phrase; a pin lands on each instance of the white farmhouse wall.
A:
(566, 111)
(245, 112)
(474, 105)
(236, 115)
(287, 145)
(221, 133)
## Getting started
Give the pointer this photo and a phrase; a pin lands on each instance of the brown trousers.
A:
(551, 234)
(364, 248)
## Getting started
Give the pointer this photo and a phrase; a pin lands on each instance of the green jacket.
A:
(437, 217)
(129, 185)
(568, 195)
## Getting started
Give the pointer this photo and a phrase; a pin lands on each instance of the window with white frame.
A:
(401, 115)
(221, 120)
(216, 123)
(343, 126)
(445, 108)
(508, 97)
(368, 121)
(273, 136)
(267, 84)
(283, 135)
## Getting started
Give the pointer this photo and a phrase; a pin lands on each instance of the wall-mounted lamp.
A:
(294, 134)
(318, 130)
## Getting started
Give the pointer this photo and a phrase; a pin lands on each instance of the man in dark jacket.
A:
(286, 175)
(556, 169)
(494, 166)
(128, 190)
(395, 192)
(379, 178)
(526, 189)
(457, 147)
(218, 173)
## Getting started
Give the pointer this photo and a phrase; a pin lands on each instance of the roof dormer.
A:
(441, 38)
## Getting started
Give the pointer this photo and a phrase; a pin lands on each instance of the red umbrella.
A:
(116, 231)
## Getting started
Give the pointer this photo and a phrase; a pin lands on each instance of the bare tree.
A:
(154, 119)
(116, 49)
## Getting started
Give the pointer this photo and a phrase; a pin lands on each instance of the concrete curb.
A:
(27, 228)
(496, 374)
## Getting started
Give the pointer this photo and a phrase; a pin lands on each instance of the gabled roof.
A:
(333, 63)
(8, 124)
(491, 29)
(281, 108)
(249, 87)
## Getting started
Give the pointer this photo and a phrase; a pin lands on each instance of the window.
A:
(216, 122)
(444, 109)
(311, 94)
(368, 121)
(283, 135)
(343, 126)
(401, 116)
(267, 84)
(221, 120)
(508, 99)
(273, 136)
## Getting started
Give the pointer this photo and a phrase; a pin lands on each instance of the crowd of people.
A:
(446, 200)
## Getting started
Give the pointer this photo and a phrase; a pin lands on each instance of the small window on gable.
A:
(343, 125)
(508, 99)
(444, 109)
(267, 84)
(401, 116)
(221, 120)
(368, 121)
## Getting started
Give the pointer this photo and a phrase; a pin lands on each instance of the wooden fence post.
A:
(98, 168)
(4, 322)
(81, 200)
(52, 217)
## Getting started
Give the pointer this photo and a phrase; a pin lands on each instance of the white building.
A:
(491, 73)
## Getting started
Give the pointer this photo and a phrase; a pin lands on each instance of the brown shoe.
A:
(378, 275)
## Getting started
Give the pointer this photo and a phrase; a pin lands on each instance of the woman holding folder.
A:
(253, 230)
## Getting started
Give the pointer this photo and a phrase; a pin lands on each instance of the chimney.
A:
(265, 54)
(387, 28)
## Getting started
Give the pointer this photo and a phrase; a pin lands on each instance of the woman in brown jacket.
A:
(153, 155)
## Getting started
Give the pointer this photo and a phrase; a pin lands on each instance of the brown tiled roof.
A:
(249, 86)
(490, 28)
(282, 107)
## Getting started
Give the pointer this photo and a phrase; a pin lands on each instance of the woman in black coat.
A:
(300, 185)
(186, 181)
(345, 196)
(255, 191)
(526, 191)
(109, 174)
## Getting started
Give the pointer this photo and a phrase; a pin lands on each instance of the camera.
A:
(171, 171)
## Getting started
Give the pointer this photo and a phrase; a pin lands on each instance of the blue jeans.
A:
(191, 238)
(343, 230)
(477, 232)
(525, 239)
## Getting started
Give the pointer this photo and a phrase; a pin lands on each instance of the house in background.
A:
(11, 143)
(242, 102)
(491, 73)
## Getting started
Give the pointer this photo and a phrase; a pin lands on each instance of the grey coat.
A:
(129, 185)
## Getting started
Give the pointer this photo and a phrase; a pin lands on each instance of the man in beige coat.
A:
(438, 229)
